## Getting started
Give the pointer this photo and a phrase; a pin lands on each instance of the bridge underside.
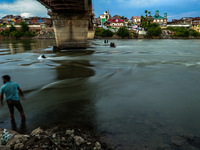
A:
(72, 19)
(65, 5)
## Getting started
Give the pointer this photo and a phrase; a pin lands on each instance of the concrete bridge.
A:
(72, 20)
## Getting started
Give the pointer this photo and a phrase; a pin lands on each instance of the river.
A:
(139, 94)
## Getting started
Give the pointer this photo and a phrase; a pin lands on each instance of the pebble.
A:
(178, 141)
(37, 132)
(19, 146)
(79, 140)
(89, 143)
(98, 145)
(4, 147)
(69, 132)
(54, 136)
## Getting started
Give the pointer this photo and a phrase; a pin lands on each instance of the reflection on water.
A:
(21, 46)
(74, 69)
(21, 129)
(140, 94)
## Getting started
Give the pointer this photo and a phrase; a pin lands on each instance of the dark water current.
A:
(138, 95)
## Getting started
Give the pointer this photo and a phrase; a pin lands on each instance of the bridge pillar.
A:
(71, 29)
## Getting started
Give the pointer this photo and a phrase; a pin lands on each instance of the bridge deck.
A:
(64, 5)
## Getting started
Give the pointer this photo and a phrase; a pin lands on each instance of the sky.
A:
(176, 9)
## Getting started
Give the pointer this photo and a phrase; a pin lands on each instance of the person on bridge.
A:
(10, 89)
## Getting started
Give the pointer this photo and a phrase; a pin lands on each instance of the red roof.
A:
(116, 20)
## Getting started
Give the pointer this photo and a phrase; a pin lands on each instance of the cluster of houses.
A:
(190, 22)
(106, 21)
(42, 24)
(36, 24)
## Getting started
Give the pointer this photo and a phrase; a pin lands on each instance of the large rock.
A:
(79, 140)
(37, 131)
(98, 145)
(4, 147)
(178, 141)
(19, 146)
(16, 140)
(9, 131)
(69, 132)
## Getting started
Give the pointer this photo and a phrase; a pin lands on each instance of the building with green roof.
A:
(159, 19)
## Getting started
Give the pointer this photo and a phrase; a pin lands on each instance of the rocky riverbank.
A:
(54, 139)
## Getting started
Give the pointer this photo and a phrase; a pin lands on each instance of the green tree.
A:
(123, 32)
(16, 34)
(149, 14)
(5, 33)
(180, 31)
(194, 33)
(153, 25)
(122, 17)
(24, 26)
(29, 34)
(129, 24)
(107, 33)
(154, 31)
(99, 31)
(146, 11)
(103, 33)
(12, 28)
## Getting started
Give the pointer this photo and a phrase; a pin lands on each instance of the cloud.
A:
(23, 7)
(139, 3)
(185, 14)
(155, 3)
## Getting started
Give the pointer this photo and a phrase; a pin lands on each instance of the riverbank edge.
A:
(54, 138)
(101, 38)
(119, 38)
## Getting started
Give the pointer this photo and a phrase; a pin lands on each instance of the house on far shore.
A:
(116, 17)
(126, 22)
(183, 21)
(159, 19)
(187, 22)
(196, 25)
(97, 22)
(104, 17)
(114, 23)
(136, 20)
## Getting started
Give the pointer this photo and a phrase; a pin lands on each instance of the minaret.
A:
(157, 13)
(165, 15)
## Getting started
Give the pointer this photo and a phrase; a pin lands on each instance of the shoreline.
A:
(153, 38)
(102, 38)
(54, 138)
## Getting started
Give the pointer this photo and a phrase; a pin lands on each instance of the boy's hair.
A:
(6, 77)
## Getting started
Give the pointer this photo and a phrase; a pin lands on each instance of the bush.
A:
(29, 34)
(154, 31)
(123, 32)
(153, 25)
(16, 34)
(24, 26)
(180, 31)
(103, 33)
(107, 33)
(12, 28)
(99, 31)
(194, 33)
(5, 33)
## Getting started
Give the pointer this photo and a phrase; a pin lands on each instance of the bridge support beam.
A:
(71, 30)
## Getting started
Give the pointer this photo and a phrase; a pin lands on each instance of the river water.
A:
(139, 94)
